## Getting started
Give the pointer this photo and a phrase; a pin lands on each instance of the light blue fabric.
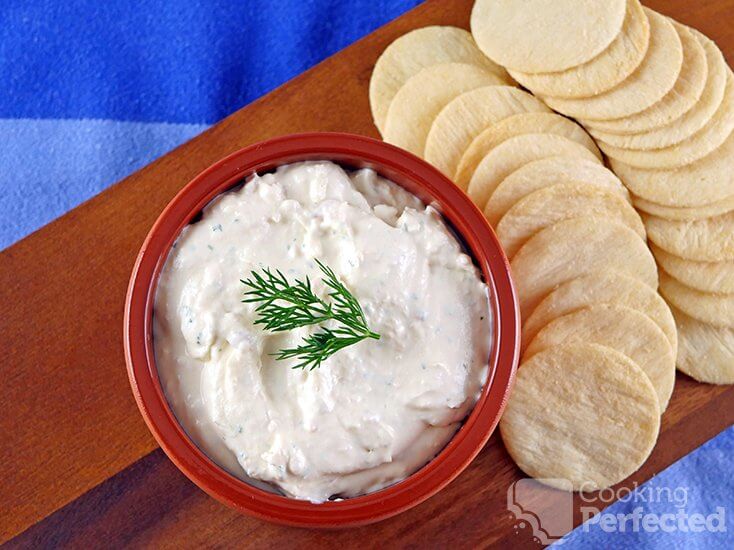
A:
(694, 494)
(50, 166)
(92, 90)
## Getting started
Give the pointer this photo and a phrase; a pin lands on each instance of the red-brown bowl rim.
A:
(432, 187)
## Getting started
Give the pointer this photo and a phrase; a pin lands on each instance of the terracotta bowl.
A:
(422, 180)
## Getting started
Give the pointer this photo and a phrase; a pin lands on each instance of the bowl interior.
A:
(431, 187)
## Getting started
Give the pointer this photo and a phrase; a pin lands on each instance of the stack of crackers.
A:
(600, 345)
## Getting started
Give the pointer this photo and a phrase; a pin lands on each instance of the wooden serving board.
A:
(77, 464)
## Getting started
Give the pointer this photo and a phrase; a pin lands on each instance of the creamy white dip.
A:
(374, 412)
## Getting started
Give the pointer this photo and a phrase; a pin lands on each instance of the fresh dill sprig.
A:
(284, 306)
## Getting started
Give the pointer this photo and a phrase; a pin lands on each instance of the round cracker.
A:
(418, 102)
(543, 173)
(464, 118)
(703, 276)
(514, 153)
(562, 202)
(690, 122)
(685, 213)
(516, 125)
(609, 287)
(540, 36)
(705, 353)
(682, 98)
(709, 307)
(706, 181)
(603, 72)
(621, 328)
(581, 413)
(577, 247)
(416, 50)
(654, 78)
(707, 240)
(689, 150)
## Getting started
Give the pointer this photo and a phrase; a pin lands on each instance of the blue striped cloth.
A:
(91, 91)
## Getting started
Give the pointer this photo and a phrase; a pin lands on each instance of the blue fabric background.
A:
(697, 484)
(92, 90)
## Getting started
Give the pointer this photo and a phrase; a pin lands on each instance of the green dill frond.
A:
(284, 306)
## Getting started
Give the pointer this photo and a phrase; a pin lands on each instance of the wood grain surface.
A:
(77, 464)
